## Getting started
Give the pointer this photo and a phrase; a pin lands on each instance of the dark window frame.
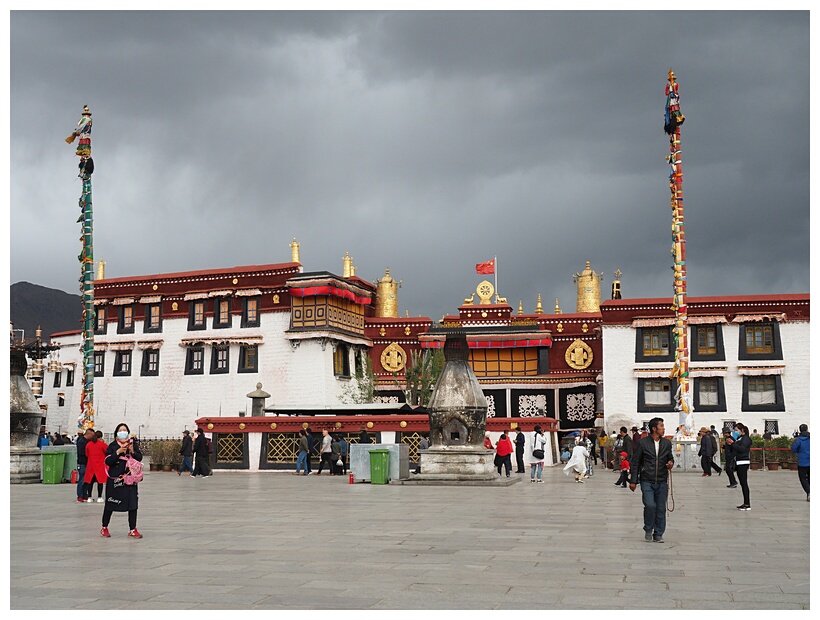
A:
(777, 350)
(122, 328)
(100, 324)
(719, 355)
(190, 358)
(220, 367)
(58, 377)
(218, 322)
(118, 363)
(666, 408)
(774, 425)
(779, 404)
(246, 321)
(99, 362)
(69, 377)
(146, 326)
(344, 372)
(241, 367)
(721, 394)
(640, 356)
(192, 313)
(145, 367)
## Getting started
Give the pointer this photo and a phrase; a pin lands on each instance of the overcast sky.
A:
(419, 141)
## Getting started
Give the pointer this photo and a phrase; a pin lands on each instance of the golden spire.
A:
(616, 284)
(101, 270)
(520, 306)
(347, 262)
(294, 252)
(539, 309)
(406, 314)
(387, 296)
(589, 290)
(352, 269)
(557, 309)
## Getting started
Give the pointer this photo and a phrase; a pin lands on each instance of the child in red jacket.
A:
(624, 470)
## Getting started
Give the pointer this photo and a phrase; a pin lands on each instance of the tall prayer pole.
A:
(673, 119)
(86, 258)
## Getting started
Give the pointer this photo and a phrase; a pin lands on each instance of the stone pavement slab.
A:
(268, 540)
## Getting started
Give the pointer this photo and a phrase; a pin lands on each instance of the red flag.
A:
(488, 267)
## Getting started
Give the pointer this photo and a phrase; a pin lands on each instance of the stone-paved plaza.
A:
(270, 540)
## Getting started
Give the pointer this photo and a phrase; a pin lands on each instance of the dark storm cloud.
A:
(422, 142)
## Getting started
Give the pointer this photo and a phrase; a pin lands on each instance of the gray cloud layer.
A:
(423, 142)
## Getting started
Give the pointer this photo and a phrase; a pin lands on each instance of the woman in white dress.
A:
(578, 462)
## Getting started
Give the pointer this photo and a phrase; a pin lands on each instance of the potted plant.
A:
(167, 455)
(155, 455)
(176, 458)
(756, 453)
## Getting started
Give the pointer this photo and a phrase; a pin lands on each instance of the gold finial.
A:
(557, 309)
(406, 314)
(347, 262)
(589, 289)
(101, 270)
(671, 77)
(294, 252)
(616, 284)
(352, 269)
(387, 296)
(87, 112)
(520, 306)
(539, 309)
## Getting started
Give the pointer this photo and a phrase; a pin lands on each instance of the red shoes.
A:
(134, 534)
(104, 533)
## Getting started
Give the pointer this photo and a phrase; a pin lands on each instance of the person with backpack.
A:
(708, 448)
(201, 467)
(121, 493)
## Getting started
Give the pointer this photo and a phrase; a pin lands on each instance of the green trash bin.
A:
(53, 467)
(379, 462)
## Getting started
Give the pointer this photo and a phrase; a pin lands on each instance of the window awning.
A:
(220, 293)
(707, 320)
(191, 296)
(653, 373)
(248, 292)
(121, 346)
(746, 318)
(122, 301)
(760, 371)
(149, 344)
(241, 340)
(151, 299)
(100, 302)
(660, 322)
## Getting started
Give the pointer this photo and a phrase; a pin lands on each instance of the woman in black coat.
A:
(121, 497)
(743, 447)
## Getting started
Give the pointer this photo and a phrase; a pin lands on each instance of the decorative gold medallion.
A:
(578, 355)
(338, 425)
(234, 281)
(304, 425)
(241, 426)
(210, 426)
(381, 331)
(485, 291)
(585, 328)
(273, 425)
(393, 358)
(155, 287)
(370, 425)
(484, 314)
(276, 299)
(403, 424)
(174, 306)
(407, 331)
(560, 327)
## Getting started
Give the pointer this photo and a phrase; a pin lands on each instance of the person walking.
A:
(653, 459)
(187, 451)
(800, 446)
(729, 465)
(311, 447)
(302, 452)
(325, 454)
(520, 441)
(345, 447)
(602, 441)
(95, 452)
(707, 451)
(424, 444)
(503, 452)
(82, 463)
(335, 455)
(201, 467)
(578, 461)
(536, 459)
(624, 477)
(623, 443)
(743, 448)
(121, 497)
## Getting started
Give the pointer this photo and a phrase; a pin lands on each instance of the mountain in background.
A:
(53, 310)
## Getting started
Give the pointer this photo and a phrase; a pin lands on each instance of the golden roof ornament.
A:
(589, 289)
(346, 263)
(101, 270)
(616, 285)
(520, 306)
(539, 309)
(294, 252)
(387, 296)
(557, 308)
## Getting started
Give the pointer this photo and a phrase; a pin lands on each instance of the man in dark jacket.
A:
(707, 451)
(623, 443)
(520, 440)
(801, 447)
(82, 461)
(729, 457)
(653, 459)
(201, 466)
(186, 451)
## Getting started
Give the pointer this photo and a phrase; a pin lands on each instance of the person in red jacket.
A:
(503, 452)
(95, 469)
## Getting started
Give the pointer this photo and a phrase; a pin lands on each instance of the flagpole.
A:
(495, 271)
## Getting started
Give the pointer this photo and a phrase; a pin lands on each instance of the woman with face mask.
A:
(121, 497)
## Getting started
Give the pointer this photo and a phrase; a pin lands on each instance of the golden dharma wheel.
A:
(273, 426)
(370, 425)
(241, 426)
(403, 424)
(210, 426)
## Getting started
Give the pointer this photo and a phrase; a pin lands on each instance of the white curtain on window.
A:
(708, 398)
(762, 398)
(653, 397)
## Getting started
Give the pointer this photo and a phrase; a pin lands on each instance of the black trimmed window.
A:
(153, 319)
(196, 315)
(709, 394)
(99, 363)
(654, 344)
(125, 324)
(150, 363)
(248, 358)
(99, 321)
(69, 377)
(220, 354)
(58, 376)
(760, 341)
(707, 343)
(341, 361)
(729, 425)
(762, 393)
(222, 312)
(195, 360)
(61, 400)
(771, 426)
(656, 395)
(122, 364)
(250, 311)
